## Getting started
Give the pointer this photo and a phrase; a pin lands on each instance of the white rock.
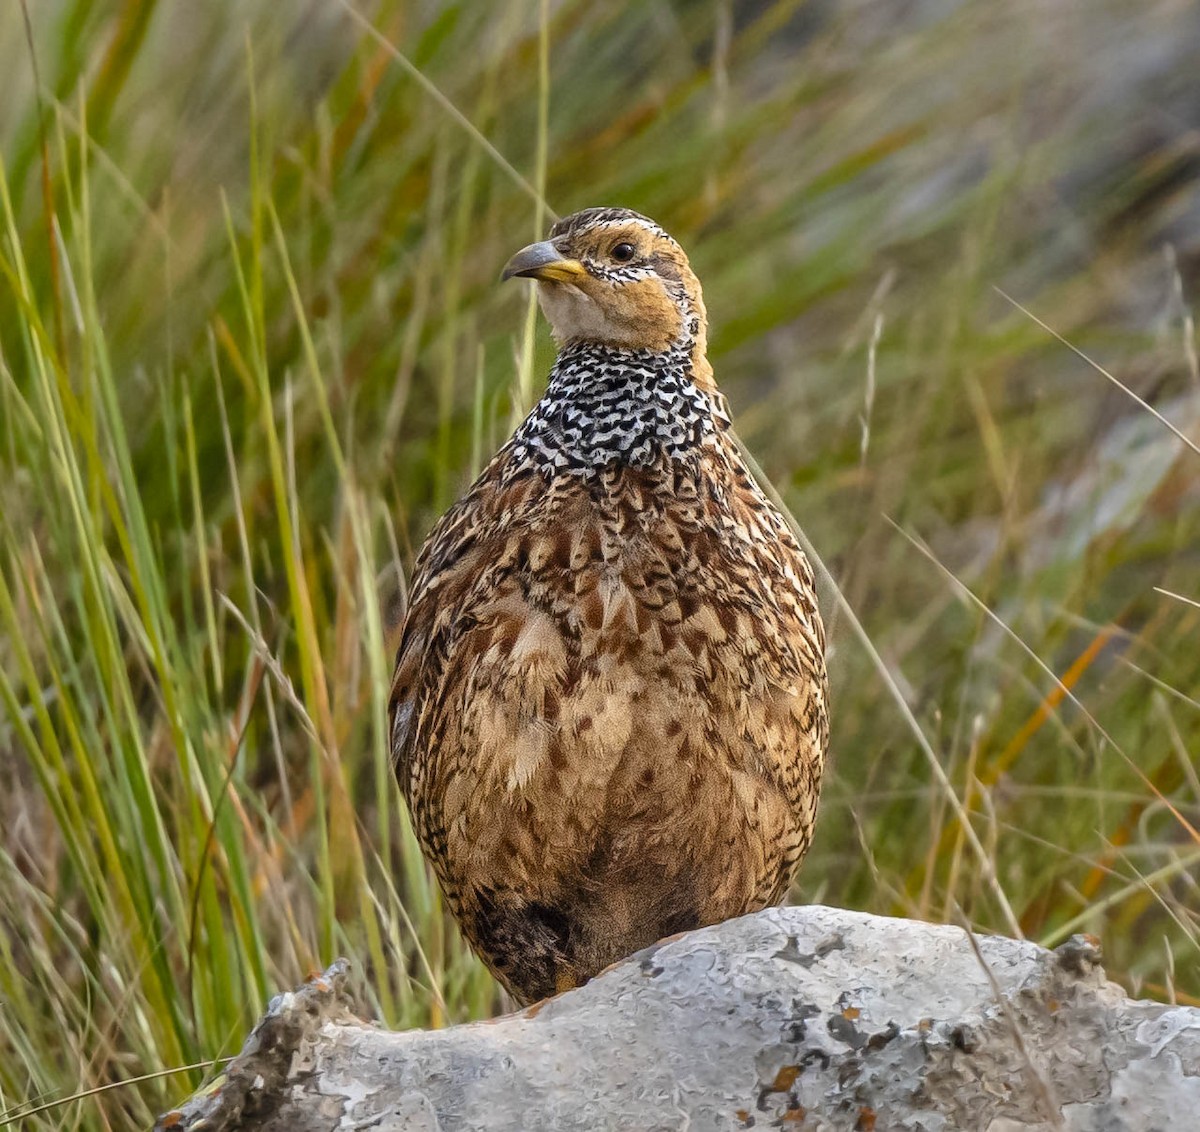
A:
(811, 1018)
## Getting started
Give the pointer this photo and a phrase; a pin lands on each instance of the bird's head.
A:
(611, 276)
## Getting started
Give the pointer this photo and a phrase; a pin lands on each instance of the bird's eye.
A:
(623, 253)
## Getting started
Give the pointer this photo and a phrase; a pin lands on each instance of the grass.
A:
(250, 345)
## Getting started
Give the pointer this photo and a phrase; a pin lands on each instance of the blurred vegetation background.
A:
(252, 342)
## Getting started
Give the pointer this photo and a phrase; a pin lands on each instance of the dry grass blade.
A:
(1178, 597)
(448, 106)
(10, 1118)
(1050, 1103)
(1067, 693)
(1103, 372)
(986, 864)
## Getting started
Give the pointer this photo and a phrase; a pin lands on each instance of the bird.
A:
(609, 714)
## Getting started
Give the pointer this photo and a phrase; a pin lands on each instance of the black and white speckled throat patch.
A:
(605, 406)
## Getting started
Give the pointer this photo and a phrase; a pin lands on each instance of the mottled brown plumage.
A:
(609, 708)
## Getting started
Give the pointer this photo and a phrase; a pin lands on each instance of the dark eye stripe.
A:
(666, 267)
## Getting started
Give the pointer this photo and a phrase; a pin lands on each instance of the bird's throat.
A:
(605, 406)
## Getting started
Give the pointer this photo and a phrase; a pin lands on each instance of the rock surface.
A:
(810, 1018)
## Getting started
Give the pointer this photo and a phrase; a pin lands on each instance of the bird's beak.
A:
(545, 262)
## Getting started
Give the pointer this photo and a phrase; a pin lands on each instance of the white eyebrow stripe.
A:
(635, 221)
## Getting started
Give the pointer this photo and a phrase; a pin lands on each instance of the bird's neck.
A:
(606, 406)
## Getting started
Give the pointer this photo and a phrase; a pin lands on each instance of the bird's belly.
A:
(637, 822)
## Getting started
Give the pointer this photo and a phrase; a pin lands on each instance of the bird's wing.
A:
(448, 562)
(464, 584)
(770, 682)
